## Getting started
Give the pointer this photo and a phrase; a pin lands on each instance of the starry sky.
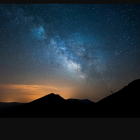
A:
(78, 51)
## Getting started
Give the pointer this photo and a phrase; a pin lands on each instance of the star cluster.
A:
(90, 48)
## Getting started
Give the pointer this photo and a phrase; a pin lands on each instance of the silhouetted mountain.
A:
(124, 103)
(51, 105)
(50, 100)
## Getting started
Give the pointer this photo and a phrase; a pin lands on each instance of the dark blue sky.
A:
(83, 50)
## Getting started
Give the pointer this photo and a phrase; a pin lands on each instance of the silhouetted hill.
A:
(50, 100)
(51, 105)
(124, 103)
(4, 104)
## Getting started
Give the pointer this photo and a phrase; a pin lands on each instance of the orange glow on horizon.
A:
(28, 93)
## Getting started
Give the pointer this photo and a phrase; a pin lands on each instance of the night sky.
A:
(78, 51)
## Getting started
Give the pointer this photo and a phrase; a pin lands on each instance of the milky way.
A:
(89, 48)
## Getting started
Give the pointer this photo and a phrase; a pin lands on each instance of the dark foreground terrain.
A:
(124, 103)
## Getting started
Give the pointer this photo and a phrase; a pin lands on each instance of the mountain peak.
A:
(49, 98)
(51, 94)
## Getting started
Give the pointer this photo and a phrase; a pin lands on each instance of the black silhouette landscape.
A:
(124, 103)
